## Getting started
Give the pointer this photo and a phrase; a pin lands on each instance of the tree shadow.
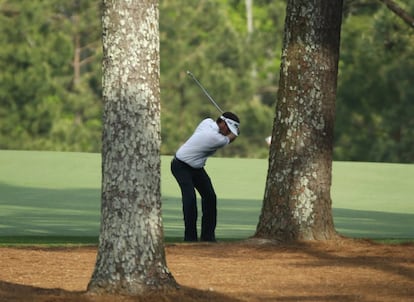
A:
(11, 292)
(27, 211)
(391, 264)
(373, 224)
(314, 298)
(387, 263)
(367, 254)
(328, 256)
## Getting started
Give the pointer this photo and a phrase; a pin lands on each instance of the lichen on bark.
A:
(131, 257)
(297, 202)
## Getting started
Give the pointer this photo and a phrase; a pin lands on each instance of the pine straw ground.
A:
(343, 270)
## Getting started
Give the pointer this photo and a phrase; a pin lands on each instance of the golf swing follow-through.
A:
(188, 164)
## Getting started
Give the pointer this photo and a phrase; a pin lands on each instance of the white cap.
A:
(233, 125)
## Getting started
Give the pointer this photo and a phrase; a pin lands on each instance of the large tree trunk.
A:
(297, 202)
(131, 257)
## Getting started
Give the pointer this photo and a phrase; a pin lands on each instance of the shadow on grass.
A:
(11, 292)
(71, 213)
(373, 224)
(28, 211)
(49, 240)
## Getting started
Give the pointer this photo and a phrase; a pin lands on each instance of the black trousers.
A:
(189, 180)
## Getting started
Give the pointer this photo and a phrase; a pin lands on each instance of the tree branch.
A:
(400, 12)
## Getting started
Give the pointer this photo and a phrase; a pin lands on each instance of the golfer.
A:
(188, 169)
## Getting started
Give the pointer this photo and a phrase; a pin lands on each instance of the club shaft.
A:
(205, 91)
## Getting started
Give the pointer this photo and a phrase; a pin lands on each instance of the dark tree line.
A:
(50, 71)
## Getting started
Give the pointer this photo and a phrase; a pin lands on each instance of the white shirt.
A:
(205, 140)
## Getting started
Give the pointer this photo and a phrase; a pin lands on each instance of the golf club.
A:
(205, 91)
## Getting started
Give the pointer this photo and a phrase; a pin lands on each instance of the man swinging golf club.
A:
(188, 169)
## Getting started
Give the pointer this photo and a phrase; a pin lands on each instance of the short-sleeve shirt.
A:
(203, 143)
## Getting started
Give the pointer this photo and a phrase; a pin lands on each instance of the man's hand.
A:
(232, 137)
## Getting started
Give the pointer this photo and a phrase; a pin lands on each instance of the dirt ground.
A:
(344, 270)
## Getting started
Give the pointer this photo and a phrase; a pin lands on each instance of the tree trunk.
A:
(297, 202)
(131, 256)
(249, 16)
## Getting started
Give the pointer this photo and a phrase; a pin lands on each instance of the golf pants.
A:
(190, 179)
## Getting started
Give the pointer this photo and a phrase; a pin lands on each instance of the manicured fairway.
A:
(58, 194)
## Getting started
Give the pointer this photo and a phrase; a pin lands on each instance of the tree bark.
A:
(249, 16)
(297, 201)
(131, 257)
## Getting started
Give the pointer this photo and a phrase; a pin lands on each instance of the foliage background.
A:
(50, 75)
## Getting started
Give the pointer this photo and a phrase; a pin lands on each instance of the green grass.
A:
(55, 196)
